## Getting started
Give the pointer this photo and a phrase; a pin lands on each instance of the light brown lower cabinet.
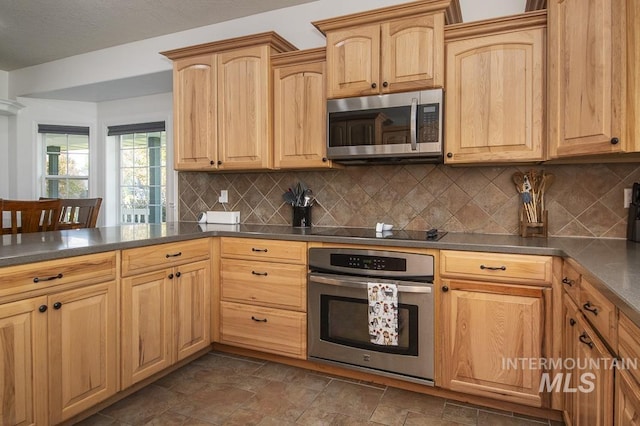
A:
(589, 395)
(627, 411)
(59, 350)
(264, 329)
(23, 346)
(166, 317)
(263, 295)
(486, 328)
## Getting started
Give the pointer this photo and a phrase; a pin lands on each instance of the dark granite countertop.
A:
(614, 262)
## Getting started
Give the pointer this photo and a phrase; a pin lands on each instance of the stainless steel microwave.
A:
(386, 128)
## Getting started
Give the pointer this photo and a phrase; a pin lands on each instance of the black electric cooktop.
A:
(431, 235)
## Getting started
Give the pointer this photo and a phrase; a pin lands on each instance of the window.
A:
(143, 172)
(66, 162)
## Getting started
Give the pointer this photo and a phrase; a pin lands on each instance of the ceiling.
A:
(33, 32)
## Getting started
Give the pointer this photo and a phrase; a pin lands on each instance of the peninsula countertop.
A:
(614, 262)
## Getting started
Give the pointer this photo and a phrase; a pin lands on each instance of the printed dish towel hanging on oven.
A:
(383, 313)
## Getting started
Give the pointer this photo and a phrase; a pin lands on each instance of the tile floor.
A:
(221, 389)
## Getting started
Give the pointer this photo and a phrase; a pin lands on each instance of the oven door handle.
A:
(346, 281)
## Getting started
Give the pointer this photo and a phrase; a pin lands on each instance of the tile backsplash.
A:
(584, 200)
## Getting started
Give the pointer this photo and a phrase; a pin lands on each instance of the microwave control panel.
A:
(429, 122)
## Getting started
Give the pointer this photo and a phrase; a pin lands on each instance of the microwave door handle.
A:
(414, 119)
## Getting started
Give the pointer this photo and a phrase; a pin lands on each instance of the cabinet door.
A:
(300, 117)
(593, 402)
(586, 77)
(353, 61)
(495, 98)
(569, 348)
(146, 325)
(83, 349)
(485, 326)
(413, 53)
(192, 308)
(243, 108)
(194, 106)
(627, 400)
(23, 346)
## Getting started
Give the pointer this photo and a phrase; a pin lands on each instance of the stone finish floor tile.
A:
(222, 389)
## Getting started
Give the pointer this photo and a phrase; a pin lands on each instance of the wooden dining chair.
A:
(76, 213)
(29, 216)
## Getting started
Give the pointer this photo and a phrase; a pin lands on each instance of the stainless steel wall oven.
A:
(340, 311)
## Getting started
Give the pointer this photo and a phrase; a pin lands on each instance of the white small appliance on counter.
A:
(229, 218)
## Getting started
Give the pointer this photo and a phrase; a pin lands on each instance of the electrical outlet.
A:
(224, 196)
(627, 197)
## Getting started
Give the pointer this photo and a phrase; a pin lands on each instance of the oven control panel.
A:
(372, 263)
(361, 261)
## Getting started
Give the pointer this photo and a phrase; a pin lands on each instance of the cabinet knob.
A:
(445, 288)
(449, 155)
(568, 281)
(43, 308)
(615, 141)
(325, 159)
(572, 322)
(385, 84)
(219, 162)
(212, 162)
(178, 274)
(57, 305)
(170, 276)
(374, 85)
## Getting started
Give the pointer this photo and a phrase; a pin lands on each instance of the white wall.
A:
(4, 138)
(143, 109)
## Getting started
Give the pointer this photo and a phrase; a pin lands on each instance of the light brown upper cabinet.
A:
(392, 49)
(222, 103)
(299, 110)
(495, 81)
(594, 60)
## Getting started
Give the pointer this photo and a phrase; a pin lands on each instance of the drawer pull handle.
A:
(568, 281)
(585, 339)
(572, 322)
(589, 308)
(260, 250)
(258, 319)
(55, 277)
(178, 254)
(494, 268)
(262, 274)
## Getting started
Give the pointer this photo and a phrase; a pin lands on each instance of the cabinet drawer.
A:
(629, 343)
(264, 329)
(571, 281)
(160, 256)
(255, 249)
(496, 267)
(278, 285)
(599, 311)
(93, 268)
